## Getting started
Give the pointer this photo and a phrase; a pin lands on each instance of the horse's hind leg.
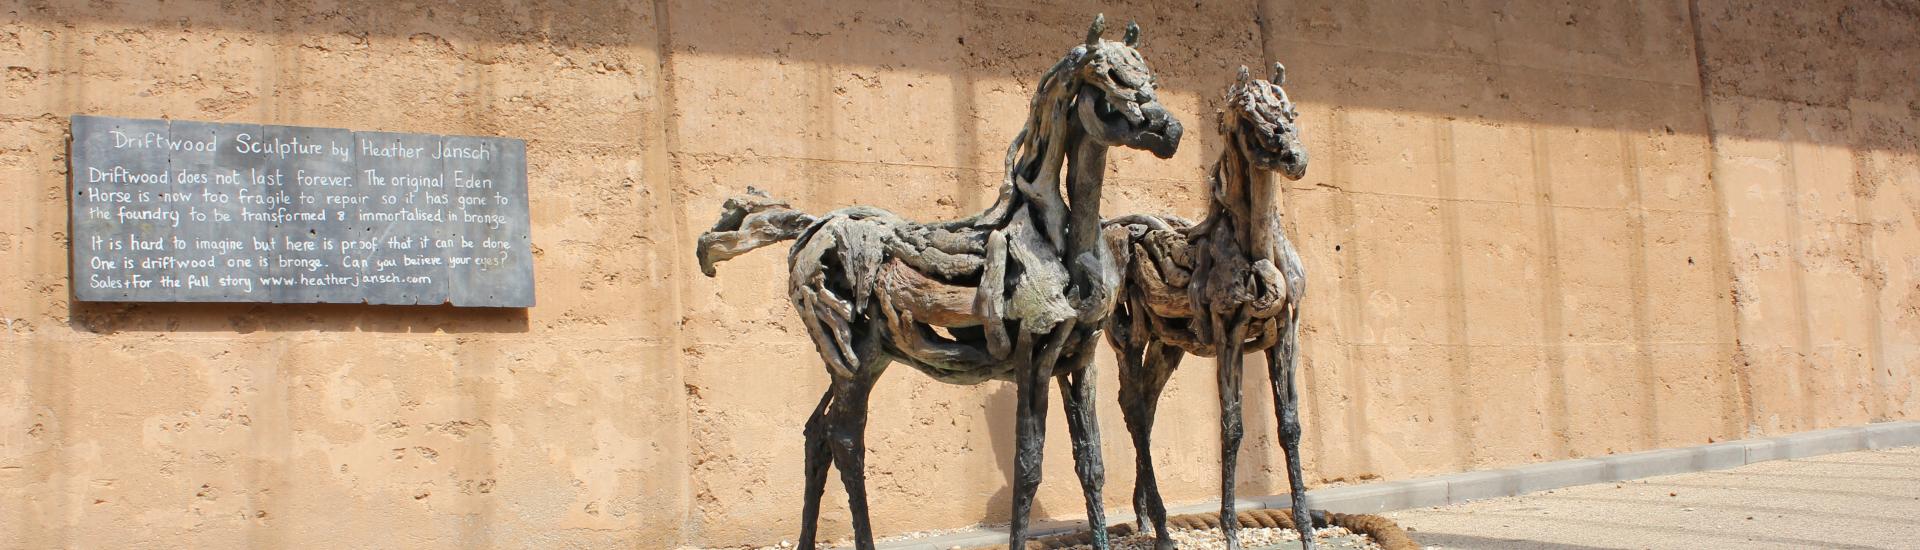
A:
(1135, 408)
(818, 456)
(1077, 395)
(1128, 336)
(847, 415)
(1144, 376)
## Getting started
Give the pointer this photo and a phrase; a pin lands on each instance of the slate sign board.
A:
(178, 211)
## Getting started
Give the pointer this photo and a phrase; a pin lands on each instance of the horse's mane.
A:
(1034, 146)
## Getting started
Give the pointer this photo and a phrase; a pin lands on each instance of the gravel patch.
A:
(1251, 538)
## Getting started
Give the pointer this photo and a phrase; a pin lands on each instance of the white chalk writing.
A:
(174, 211)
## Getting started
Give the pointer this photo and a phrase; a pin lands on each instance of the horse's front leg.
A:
(1077, 396)
(1030, 419)
(1232, 331)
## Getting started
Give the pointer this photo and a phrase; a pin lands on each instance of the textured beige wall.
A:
(1532, 231)
(1816, 120)
(168, 426)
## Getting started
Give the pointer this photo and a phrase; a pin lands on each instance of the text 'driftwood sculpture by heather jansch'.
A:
(178, 211)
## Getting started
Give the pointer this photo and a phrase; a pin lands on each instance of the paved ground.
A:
(1867, 499)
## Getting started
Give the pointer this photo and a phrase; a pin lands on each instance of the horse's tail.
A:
(748, 222)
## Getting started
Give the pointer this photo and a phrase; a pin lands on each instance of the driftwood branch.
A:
(748, 222)
(1014, 293)
(1229, 285)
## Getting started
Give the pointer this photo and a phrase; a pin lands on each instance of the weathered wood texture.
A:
(1015, 293)
(1226, 286)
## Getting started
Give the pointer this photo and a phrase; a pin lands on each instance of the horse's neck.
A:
(1035, 163)
(1086, 174)
(1245, 201)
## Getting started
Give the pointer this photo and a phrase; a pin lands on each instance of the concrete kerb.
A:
(1371, 498)
(1891, 434)
(1564, 473)
(1388, 496)
(1622, 467)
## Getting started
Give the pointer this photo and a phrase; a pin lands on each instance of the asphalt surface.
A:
(1857, 500)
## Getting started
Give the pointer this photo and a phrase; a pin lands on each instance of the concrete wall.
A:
(1535, 230)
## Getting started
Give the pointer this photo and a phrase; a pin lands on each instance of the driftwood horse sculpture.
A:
(1018, 291)
(1224, 287)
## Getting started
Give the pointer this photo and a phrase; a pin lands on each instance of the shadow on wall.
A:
(1561, 64)
(1541, 64)
(1259, 471)
(1001, 407)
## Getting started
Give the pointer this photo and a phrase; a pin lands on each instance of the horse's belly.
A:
(1168, 302)
(929, 301)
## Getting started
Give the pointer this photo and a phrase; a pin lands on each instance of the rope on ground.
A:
(1383, 531)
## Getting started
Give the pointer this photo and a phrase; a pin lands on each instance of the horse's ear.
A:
(1279, 74)
(1093, 32)
(1244, 75)
(1133, 34)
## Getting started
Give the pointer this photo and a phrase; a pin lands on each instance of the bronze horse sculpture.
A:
(1017, 292)
(1226, 286)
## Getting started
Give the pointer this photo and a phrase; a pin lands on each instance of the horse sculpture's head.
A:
(1260, 121)
(1117, 103)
